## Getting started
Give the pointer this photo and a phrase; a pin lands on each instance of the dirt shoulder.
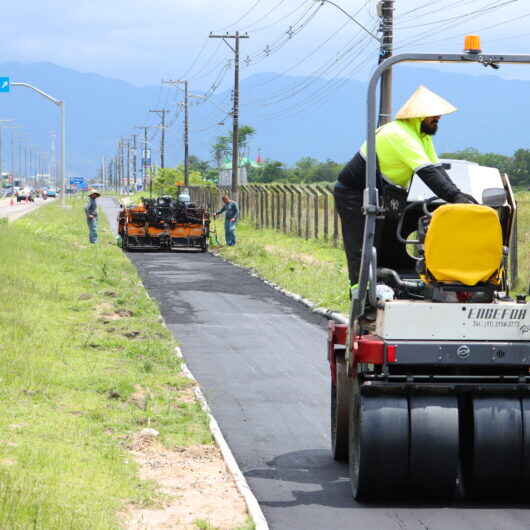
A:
(99, 427)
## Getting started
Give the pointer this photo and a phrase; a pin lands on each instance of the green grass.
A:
(523, 220)
(75, 385)
(202, 524)
(310, 268)
(317, 271)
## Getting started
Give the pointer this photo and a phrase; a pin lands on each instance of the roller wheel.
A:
(525, 486)
(434, 445)
(204, 245)
(341, 396)
(379, 446)
(497, 446)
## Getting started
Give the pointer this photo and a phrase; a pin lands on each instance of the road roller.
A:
(164, 223)
(430, 375)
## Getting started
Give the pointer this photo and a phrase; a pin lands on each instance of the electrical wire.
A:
(314, 76)
(481, 11)
(244, 15)
(265, 16)
(459, 20)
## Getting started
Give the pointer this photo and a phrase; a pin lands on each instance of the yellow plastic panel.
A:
(463, 244)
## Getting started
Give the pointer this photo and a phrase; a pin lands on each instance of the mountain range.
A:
(294, 116)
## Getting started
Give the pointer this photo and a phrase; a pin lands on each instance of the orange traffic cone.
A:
(12, 202)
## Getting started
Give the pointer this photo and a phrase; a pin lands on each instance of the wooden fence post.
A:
(316, 204)
(292, 196)
(326, 192)
(279, 211)
(299, 213)
(307, 212)
(262, 207)
(284, 208)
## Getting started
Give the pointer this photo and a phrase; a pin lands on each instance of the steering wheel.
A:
(425, 208)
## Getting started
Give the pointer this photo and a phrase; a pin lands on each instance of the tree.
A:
(201, 166)
(271, 171)
(223, 144)
(165, 180)
(221, 148)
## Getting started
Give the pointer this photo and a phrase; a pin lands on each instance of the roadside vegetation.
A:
(85, 365)
(308, 267)
(317, 271)
(309, 170)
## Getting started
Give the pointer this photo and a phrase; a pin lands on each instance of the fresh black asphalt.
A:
(260, 359)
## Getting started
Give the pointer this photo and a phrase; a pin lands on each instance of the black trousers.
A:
(349, 207)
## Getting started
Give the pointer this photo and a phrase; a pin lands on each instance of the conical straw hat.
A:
(424, 103)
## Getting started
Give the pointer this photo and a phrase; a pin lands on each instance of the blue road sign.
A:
(4, 84)
(79, 182)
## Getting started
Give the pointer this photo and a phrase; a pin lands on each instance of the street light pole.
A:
(60, 104)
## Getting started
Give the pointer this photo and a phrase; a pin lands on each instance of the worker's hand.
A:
(233, 220)
(464, 198)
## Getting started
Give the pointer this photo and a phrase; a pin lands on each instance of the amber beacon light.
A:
(472, 44)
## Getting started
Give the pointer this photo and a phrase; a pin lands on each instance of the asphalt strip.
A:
(260, 359)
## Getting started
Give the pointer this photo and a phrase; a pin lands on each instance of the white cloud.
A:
(142, 41)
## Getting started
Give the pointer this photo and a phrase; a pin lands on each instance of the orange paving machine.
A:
(164, 224)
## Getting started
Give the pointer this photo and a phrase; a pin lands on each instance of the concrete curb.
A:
(251, 502)
(253, 506)
(339, 318)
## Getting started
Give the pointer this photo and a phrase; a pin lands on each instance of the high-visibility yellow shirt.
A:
(402, 149)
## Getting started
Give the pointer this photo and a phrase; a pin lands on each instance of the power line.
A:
(244, 15)
(459, 17)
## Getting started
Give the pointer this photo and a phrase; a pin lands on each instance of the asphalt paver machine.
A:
(430, 392)
(164, 223)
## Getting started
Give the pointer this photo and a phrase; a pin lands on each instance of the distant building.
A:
(225, 171)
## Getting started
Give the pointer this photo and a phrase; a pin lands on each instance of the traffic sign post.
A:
(5, 84)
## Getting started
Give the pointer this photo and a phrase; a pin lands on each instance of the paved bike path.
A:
(260, 360)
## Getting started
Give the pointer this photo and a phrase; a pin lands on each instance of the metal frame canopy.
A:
(371, 207)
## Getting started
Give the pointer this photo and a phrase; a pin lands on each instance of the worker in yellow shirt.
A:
(403, 147)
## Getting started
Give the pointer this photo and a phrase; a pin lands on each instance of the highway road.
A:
(13, 212)
(260, 359)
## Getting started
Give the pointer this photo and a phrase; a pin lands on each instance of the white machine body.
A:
(501, 321)
(470, 177)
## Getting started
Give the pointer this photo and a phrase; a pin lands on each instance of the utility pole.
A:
(176, 82)
(162, 114)
(144, 161)
(186, 136)
(128, 144)
(133, 136)
(385, 10)
(235, 116)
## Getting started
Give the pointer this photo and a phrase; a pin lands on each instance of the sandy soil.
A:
(197, 486)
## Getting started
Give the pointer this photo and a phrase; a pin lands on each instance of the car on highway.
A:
(25, 194)
(51, 192)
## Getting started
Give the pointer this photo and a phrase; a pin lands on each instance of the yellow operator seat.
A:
(463, 244)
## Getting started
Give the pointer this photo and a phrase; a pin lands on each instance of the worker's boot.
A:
(368, 320)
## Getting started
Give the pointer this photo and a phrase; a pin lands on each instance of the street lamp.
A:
(60, 104)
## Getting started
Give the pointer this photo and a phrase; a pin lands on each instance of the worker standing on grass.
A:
(231, 211)
(403, 147)
(91, 211)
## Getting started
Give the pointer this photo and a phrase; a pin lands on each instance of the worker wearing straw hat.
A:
(404, 147)
(91, 211)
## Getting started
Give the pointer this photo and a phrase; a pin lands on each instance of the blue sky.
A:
(142, 41)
